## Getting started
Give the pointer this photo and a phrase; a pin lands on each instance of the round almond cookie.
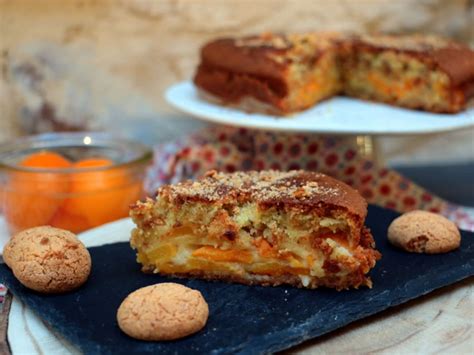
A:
(165, 311)
(47, 259)
(424, 232)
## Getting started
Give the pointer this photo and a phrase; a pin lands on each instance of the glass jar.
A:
(74, 198)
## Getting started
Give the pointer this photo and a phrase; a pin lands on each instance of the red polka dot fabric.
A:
(231, 149)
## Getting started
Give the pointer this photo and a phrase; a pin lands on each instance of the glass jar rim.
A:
(142, 153)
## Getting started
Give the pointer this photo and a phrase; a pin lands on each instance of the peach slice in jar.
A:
(101, 195)
(31, 198)
(45, 160)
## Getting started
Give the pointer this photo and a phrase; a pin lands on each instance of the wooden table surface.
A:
(440, 322)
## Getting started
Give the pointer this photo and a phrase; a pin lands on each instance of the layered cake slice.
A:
(269, 72)
(420, 72)
(268, 228)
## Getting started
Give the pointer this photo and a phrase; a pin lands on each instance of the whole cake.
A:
(287, 73)
(269, 228)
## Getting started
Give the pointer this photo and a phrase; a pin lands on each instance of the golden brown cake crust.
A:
(298, 189)
(267, 55)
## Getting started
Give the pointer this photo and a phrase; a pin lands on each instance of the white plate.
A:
(339, 115)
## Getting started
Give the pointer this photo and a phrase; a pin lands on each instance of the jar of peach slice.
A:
(74, 181)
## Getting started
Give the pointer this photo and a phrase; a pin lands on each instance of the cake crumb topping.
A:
(263, 186)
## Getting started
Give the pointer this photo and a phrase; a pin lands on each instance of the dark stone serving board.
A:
(242, 319)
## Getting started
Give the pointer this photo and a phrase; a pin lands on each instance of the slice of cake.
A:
(268, 228)
(273, 73)
(420, 72)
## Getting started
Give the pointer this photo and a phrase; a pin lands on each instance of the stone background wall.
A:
(85, 63)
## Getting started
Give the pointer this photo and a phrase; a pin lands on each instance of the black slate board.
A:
(242, 319)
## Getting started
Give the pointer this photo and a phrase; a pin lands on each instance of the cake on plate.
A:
(281, 74)
(268, 228)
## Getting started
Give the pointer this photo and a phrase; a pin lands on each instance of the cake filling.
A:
(248, 241)
(392, 77)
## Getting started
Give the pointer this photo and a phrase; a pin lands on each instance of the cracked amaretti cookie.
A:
(286, 73)
(424, 232)
(47, 259)
(165, 311)
(268, 228)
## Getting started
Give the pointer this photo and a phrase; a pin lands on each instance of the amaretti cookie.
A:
(48, 260)
(286, 73)
(424, 232)
(165, 311)
(268, 228)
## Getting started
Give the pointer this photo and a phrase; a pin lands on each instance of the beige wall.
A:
(97, 58)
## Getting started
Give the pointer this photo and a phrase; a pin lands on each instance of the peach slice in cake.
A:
(415, 71)
(268, 228)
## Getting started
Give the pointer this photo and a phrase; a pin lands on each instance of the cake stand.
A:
(360, 122)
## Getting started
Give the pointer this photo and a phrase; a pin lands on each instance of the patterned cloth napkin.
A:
(230, 149)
